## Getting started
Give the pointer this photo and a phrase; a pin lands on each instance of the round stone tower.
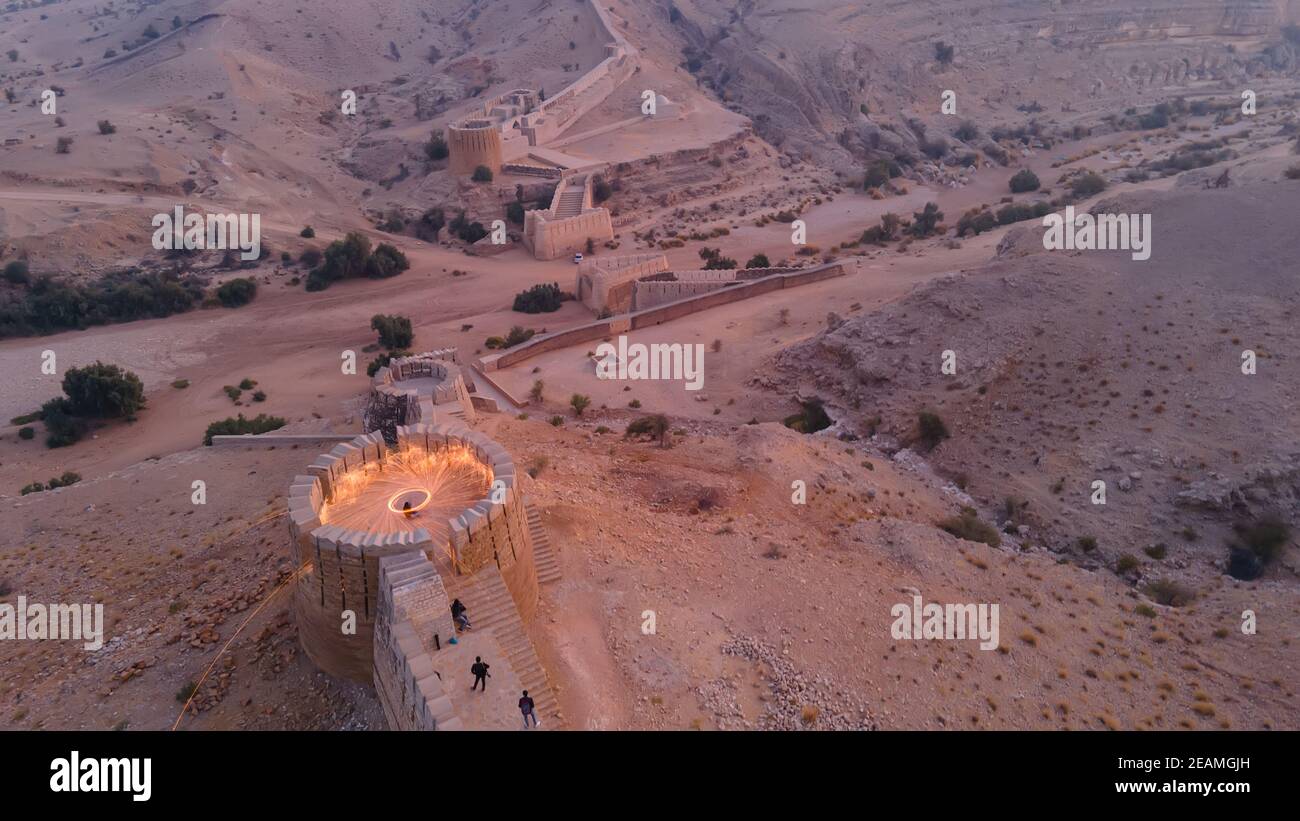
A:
(473, 143)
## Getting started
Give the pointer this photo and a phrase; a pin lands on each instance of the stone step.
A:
(491, 607)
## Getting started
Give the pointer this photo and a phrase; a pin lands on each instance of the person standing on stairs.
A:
(526, 707)
(480, 671)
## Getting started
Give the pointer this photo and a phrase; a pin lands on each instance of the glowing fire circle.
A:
(417, 496)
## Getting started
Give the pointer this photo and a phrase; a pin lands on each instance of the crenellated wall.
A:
(652, 291)
(622, 323)
(599, 279)
(351, 570)
(413, 610)
(569, 223)
(450, 393)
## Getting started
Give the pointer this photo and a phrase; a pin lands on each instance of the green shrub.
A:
(467, 231)
(758, 261)
(17, 272)
(515, 212)
(307, 233)
(67, 479)
(518, 335)
(181, 384)
(930, 429)
(580, 403)
(482, 174)
(538, 299)
(967, 525)
(103, 391)
(1265, 538)
(1126, 563)
(51, 305)
(62, 426)
(976, 221)
(1088, 184)
(654, 426)
(394, 331)
(429, 224)
(880, 172)
(1156, 551)
(925, 221)
(34, 487)
(26, 433)
(106, 128)
(436, 148)
(1086, 543)
(343, 259)
(1023, 181)
(385, 262)
(237, 292)
(238, 425)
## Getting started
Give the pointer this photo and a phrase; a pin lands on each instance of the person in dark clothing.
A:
(480, 671)
(458, 615)
(526, 707)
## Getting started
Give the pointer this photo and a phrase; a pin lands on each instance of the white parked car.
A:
(577, 258)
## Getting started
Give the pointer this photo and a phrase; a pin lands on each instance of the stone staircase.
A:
(570, 204)
(548, 568)
(492, 608)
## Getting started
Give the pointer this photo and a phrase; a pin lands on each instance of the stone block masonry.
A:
(569, 223)
(393, 581)
(622, 323)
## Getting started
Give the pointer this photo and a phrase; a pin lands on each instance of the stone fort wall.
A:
(415, 406)
(414, 620)
(622, 323)
(650, 292)
(342, 568)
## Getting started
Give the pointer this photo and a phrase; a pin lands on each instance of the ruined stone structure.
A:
(361, 555)
(428, 387)
(572, 219)
(605, 283)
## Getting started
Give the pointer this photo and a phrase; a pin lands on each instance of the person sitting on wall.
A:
(458, 615)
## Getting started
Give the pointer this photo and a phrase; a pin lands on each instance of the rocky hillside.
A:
(836, 80)
(1073, 367)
